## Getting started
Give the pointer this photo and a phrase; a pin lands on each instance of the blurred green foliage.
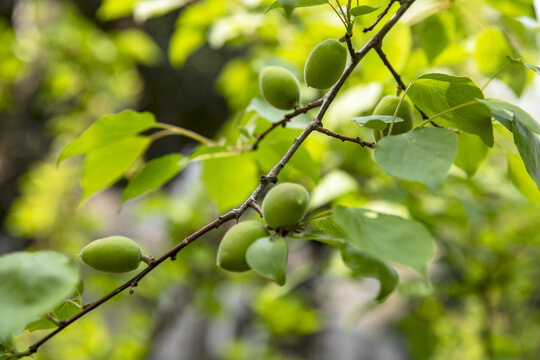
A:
(483, 298)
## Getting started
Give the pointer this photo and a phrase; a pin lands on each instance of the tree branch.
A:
(297, 111)
(356, 140)
(379, 18)
(272, 176)
(384, 59)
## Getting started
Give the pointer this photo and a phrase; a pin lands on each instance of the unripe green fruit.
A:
(325, 64)
(285, 205)
(387, 106)
(231, 254)
(279, 87)
(114, 254)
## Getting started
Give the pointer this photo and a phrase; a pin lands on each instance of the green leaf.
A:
(333, 185)
(386, 237)
(368, 266)
(105, 165)
(471, 153)
(319, 236)
(434, 36)
(376, 122)
(288, 5)
(424, 155)
(435, 93)
(502, 112)
(300, 3)
(528, 145)
(230, 180)
(153, 175)
(108, 129)
(492, 50)
(32, 284)
(272, 114)
(268, 258)
(521, 179)
(329, 226)
(362, 10)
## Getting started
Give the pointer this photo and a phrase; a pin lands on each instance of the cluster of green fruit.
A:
(283, 207)
(323, 68)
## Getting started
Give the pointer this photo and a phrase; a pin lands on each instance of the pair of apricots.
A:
(284, 207)
(323, 68)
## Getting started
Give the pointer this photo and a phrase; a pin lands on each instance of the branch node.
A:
(256, 207)
(149, 260)
(62, 323)
(265, 179)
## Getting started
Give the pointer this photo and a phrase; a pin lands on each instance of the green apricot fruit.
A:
(285, 205)
(325, 64)
(279, 87)
(387, 106)
(231, 255)
(114, 254)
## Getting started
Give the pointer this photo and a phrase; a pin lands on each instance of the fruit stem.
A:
(397, 109)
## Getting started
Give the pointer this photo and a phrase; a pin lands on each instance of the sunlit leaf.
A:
(153, 175)
(230, 180)
(107, 164)
(108, 129)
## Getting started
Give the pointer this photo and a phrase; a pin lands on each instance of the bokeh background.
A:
(64, 63)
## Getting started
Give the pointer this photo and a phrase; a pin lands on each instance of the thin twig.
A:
(297, 111)
(379, 18)
(272, 176)
(499, 72)
(337, 13)
(344, 138)
(397, 77)
(389, 66)
(176, 130)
